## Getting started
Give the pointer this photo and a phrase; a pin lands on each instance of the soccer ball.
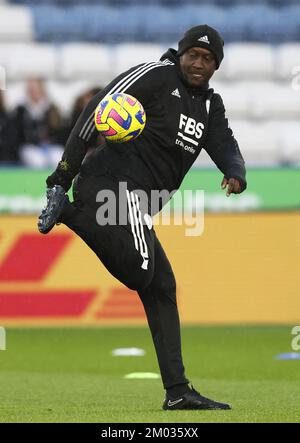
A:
(120, 117)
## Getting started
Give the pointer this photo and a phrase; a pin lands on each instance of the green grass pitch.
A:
(69, 375)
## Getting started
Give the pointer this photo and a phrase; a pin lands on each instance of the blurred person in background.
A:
(39, 128)
(80, 103)
(7, 154)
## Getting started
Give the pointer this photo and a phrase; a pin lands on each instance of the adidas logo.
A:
(204, 39)
(176, 93)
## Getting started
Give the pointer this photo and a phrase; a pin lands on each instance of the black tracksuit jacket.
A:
(181, 121)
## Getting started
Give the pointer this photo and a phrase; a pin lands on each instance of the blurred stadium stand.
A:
(75, 45)
(155, 21)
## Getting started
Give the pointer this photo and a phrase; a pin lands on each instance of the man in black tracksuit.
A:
(183, 117)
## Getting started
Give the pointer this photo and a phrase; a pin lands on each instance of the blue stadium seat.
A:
(155, 23)
(48, 20)
(60, 25)
(61, 3)
(277, 26)
(204, 14)
(282, 3)
(120, 3)
(261, 22)
(170, 24)
(132, 28)
(95, 22)
(289, 23)
(236, 21)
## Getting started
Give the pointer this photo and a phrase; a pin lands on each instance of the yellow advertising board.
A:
(244, 268)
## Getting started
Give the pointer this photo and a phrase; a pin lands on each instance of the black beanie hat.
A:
(203, 36)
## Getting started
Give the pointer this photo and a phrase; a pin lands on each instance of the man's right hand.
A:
(233, 186)
(56, 199)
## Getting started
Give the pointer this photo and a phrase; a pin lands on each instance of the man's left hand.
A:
(233, 186)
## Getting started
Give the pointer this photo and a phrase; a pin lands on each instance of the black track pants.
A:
(133, 254)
